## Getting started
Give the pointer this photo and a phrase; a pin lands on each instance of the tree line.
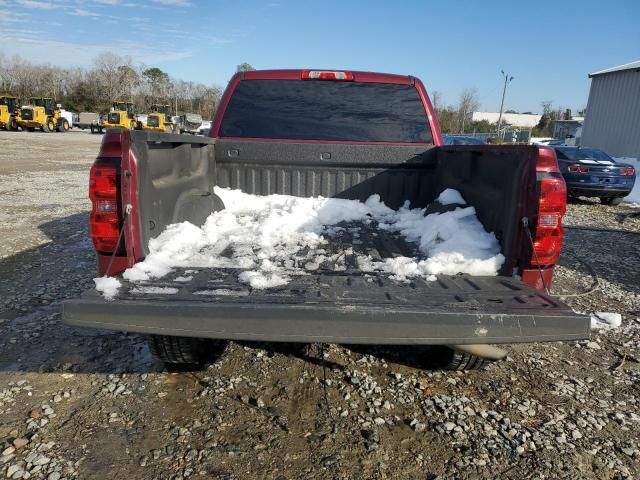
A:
(111, 77)
(457, 118)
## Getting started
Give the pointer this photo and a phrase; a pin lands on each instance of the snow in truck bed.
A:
(277, 237)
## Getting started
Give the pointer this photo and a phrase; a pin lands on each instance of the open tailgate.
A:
(334, 308)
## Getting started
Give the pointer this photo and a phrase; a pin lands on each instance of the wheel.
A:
(63, 125)
(611, 200)
(449, 359)
(185, 351)
(93, 129)
(49, 125)
(12, 124)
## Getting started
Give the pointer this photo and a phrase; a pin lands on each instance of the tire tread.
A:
(184, 350)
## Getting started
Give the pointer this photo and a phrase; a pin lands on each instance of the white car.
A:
(204, 128)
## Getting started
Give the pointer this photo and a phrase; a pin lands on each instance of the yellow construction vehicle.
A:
(159, 120)
(43, 114)
(121, 115)
(8, 112)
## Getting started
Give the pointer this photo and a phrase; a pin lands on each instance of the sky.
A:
(548, 47)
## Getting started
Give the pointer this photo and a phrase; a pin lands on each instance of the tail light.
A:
(552, 204)
(626, 171)
(105, 217)
(327, 75)
(578, 169)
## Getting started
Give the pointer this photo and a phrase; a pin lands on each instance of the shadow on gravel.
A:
(613, 254)
(422, 357)
(32, 285)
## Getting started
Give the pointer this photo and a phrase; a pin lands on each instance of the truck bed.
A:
(338, 302)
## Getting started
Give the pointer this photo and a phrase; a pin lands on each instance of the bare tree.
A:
(436, 100)
(467, 104)
(110, 78)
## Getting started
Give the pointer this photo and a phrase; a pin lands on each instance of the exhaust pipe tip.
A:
(488, 352)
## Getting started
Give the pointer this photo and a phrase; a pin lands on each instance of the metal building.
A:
(612, 122)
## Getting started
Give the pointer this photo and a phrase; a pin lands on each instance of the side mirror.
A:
(59, 105)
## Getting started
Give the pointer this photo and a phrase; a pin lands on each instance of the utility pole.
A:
(507, 79)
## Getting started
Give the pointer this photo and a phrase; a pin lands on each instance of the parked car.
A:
(590, 172)
(461, 140)
(271, 135)
(547, 141)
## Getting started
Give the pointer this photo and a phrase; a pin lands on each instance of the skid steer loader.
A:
(42, 114)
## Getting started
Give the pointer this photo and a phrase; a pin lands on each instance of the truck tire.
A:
(611, 200)
(63, 125)
(449, 359)
(49, 125)
(93, 129)
(185, 351)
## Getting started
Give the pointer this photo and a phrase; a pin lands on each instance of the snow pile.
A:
(634, 196)
(108, 286)
(274, 237)
(601, 320)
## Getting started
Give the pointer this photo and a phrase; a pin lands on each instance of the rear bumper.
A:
(598, 190)
(324, 323)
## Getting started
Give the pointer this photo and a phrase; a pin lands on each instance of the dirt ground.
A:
(88, 404)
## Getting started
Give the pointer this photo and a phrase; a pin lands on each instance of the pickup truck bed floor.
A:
(339, 306)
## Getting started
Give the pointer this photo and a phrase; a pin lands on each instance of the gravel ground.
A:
(83, 404)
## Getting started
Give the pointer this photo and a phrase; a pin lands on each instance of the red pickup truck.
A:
(336, 134)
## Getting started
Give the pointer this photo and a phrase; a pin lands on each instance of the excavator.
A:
(159, 120)
(121, 115)
(44, 114)
(8, 112)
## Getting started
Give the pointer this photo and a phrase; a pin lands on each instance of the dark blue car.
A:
(592, 173)
(461, 140)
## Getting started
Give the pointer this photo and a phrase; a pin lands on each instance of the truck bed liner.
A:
(344, 305)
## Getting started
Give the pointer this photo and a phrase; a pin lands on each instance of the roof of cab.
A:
(296, 74)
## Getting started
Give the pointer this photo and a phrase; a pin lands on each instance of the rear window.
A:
(326, 110)
(576, 154)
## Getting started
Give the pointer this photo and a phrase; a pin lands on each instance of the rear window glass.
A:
(326, 110)
(583, 154)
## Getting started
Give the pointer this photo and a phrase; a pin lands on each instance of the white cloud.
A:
(174, 3)
(81, 12)
(69, 54)
(9, 17)
(40, 5)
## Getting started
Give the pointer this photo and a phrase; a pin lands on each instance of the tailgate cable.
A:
(596, 284)
(525, 224)
(127, 211)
